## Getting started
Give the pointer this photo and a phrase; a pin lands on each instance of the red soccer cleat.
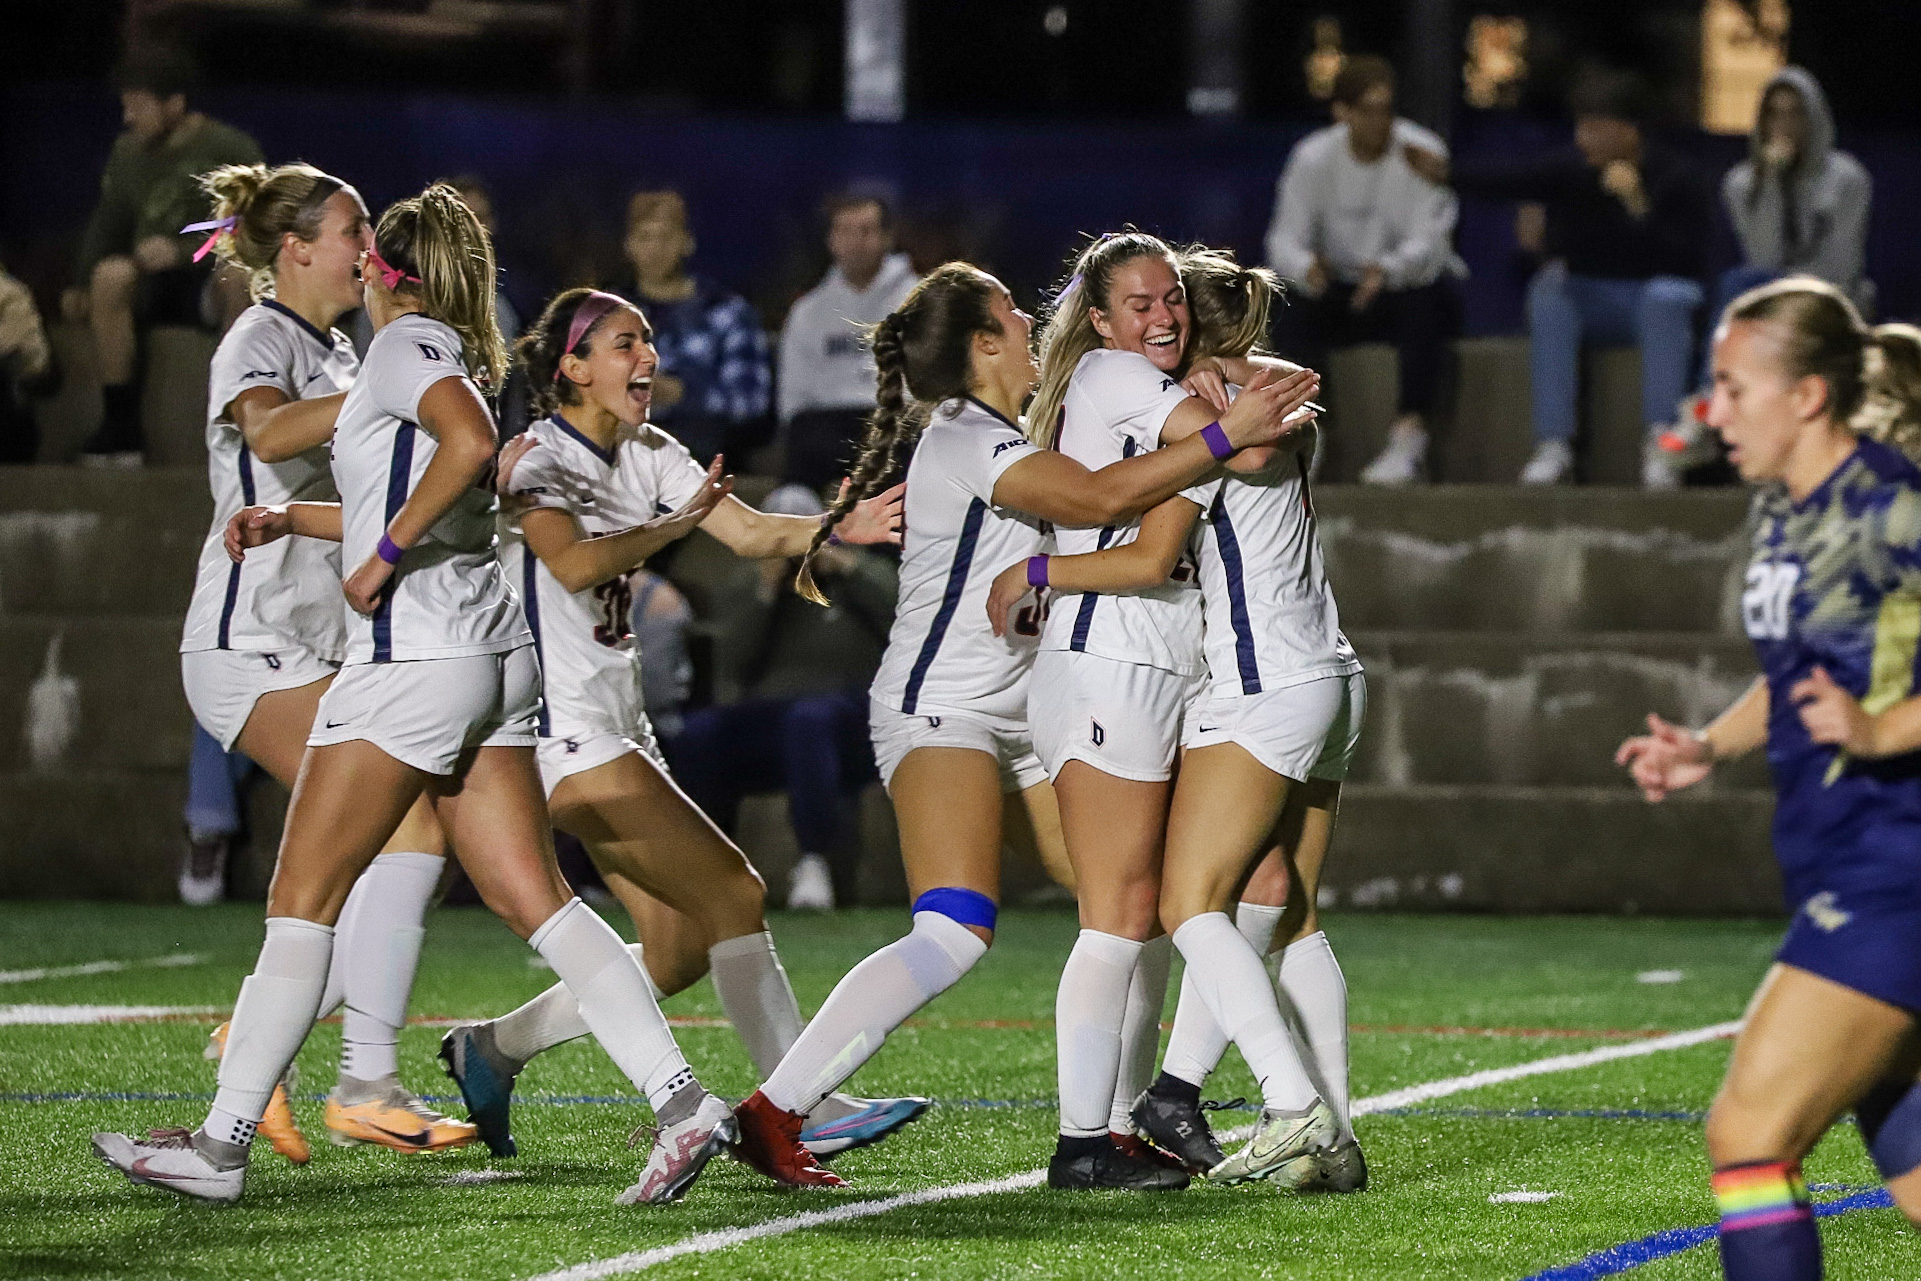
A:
(1140, 1149)
(770, 1142)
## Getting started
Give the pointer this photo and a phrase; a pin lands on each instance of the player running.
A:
(949, 705)
(1833, 606)
(264, 637)
(440, 694)
(593, 489)
(1264, 749)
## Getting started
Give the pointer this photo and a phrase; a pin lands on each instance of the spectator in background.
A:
(135, 269)
(1626, 229)
(800, 725)
(26, 368)
(711, 389)
(513, 407)
(658, 620)
(826, 370)
(1368, 243)
(216, 783)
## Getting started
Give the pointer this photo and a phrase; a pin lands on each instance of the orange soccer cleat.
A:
(278, 1125)
(392, 1117)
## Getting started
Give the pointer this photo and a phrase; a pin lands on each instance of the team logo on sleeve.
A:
(258, 373)
(1006, 445)
(430, 351)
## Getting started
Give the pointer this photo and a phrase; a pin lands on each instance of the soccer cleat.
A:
(172, 1159)
(1342, 1169)
(681, 1152)
(1179, 1127)
(769, 1140)
(1285, 1150)
(392, 1117)
(278, 1126)
(1110, 1167)
(486, 1080)
(1135, 1146)
(842, 1122)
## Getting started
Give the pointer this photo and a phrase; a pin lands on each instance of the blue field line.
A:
(1632, 1254)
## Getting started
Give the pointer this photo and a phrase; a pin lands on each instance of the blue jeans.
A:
(1564, 311)
(213, 786)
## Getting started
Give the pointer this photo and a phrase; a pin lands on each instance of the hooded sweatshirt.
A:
(824, 358)
(1817, 220)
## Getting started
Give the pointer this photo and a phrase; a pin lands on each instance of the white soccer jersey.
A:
(448, 596)
(1271, 620)
(287, 593)
(590, 666)
(1117, 402)
(942, 656)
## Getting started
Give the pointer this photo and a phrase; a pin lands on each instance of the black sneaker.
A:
(1177, 1124)
(1106, 1166)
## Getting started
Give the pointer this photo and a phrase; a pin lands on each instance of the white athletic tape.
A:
(95, 967)
(62, 1015)
(726, 1238)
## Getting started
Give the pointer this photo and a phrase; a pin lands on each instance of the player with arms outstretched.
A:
(1833, 606)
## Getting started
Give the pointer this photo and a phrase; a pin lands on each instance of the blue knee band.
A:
(969, 907)
(1890, 1119)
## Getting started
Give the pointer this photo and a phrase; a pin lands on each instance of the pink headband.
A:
(586, 316)
(390, 275)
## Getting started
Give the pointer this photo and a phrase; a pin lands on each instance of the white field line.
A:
(63, 1015)
(726, 1238)
(96, 967)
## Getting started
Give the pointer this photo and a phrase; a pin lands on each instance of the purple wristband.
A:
(1037, 571)
(1217, 442)
(388, 550)
(833, 538)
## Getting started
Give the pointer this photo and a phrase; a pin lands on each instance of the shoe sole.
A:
(724, 1136)
(862, 1138)
(1076, 1185)
(500, 1144)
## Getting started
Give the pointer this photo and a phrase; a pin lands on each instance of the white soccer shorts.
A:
(224, 684)
(1301, 731)
(1123, 719)
(428, 711)
(562, 753)
(896, 733)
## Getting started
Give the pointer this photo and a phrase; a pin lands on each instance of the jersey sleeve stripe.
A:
(950, 602)
(1230, 549)
(233, 573)
(530, 603)
(400, 472)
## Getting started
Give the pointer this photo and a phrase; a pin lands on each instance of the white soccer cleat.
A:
(681, 1152)
(1400, 463)
(1553, 462)
(171, 1159)
(1285, 1150)
(813, 887)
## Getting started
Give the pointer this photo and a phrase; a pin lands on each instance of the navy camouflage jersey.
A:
(1835, 582)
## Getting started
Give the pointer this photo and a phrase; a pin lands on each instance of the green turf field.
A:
(1618, 1145)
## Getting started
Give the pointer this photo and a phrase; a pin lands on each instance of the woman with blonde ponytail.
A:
(948, 708)
(593, 489)
(1266, 745)
(264, 637)
(1833, 606)
(439, 697)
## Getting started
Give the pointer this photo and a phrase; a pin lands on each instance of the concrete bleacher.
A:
(1512, 638)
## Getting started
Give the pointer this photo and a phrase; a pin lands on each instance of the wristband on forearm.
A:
(1037, 571)
(833, 538)
(388, 550)
(1217, 442)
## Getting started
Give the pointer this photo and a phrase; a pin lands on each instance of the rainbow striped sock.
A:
(1767, 1223)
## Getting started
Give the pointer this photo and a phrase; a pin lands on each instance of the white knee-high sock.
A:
(1231, 979)
(377, 951)
(1312, 983)
(1195, 1047)
(615, 999)
(552, 1018)
(759, 1001)
(1141, 1030)
(1088, 1011)
(875, 998)
(276, 1009)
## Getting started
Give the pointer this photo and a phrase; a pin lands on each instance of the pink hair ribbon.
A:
(586, 316)
(218, 226)
(389, 274)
